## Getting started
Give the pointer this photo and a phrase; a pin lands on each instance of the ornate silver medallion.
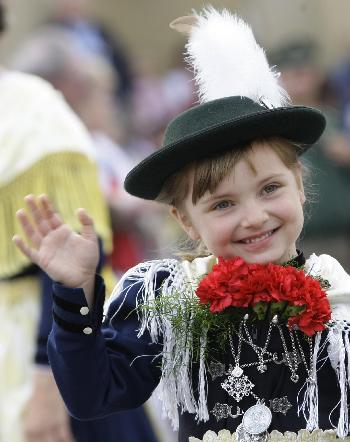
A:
(257, 419)
(223, 411)
(237, 387)
(280, 405)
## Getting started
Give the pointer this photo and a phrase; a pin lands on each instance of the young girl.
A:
(240, 340)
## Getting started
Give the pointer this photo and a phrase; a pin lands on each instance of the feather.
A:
(184, 25)
(227, 61)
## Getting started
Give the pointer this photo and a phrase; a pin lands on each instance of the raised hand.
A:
(66, 256)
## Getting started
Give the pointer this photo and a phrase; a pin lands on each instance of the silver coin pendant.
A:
(257, 419)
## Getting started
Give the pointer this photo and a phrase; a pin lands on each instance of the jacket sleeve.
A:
(101, 368)
(45, 319)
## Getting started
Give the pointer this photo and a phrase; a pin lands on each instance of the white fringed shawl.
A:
(177, 391)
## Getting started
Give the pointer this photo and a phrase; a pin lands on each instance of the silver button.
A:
(87, 330)
(84, 311)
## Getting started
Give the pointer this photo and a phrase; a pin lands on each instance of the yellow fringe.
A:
(70, 179)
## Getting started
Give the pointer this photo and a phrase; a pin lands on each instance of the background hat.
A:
(295, 53)
(241, 101)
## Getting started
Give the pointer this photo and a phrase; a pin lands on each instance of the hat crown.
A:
(207, 116)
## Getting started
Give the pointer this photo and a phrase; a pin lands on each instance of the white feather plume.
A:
(227, 61)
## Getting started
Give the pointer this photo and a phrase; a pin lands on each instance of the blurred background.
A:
(143, 24)
(120, 67)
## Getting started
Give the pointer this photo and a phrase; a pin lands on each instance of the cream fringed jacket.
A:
(44, 148)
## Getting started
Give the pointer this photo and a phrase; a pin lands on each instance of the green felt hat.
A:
(241, 101)
(217, 126)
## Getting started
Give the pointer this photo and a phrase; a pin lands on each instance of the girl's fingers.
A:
(32, 235)
(87, 224)
(26, 250)
(37, 214)
(49, 213)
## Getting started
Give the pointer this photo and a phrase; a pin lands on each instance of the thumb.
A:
(87, 225)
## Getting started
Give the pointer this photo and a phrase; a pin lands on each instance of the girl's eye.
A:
(222, 205)
(270, 188)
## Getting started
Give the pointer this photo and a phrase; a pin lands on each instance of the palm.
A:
(66, 256)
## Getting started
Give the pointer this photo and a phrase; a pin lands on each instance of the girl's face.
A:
(255, 212)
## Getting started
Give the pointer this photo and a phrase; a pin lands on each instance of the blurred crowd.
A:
(125, 106)
(327, 165)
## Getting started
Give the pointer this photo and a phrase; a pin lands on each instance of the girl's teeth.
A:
(259, 238)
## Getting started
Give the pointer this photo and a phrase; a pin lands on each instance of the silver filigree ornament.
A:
(262, 367)
(237, 386)
(216, 370)
(280, 405)
(223, 411)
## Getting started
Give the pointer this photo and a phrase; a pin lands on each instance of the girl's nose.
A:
(253, 215)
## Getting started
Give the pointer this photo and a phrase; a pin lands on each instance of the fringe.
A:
(337, 343)
(338, 353)
(309, 405)
(202, 401)
(71, 181)
(175, 389)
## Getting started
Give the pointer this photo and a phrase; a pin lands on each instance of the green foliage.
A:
(189, 318)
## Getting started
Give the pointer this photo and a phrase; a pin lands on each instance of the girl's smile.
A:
(255, 212)
(257, 242)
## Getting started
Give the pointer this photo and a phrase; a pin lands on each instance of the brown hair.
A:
(209, 172)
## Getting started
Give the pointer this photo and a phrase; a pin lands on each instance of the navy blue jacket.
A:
(111, 369)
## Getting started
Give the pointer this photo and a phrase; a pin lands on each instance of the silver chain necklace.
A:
(257, 419)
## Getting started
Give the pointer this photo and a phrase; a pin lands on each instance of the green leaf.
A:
(277, 308)
(260, 309)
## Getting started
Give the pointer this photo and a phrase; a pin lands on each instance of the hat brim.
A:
(299, 124)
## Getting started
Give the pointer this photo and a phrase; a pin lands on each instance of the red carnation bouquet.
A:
(267, 288)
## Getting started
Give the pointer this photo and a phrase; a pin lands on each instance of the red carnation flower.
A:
(235, 283)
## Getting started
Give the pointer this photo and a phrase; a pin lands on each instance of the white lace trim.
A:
(274, 436)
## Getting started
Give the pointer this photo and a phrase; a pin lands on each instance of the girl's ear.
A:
(185, 222)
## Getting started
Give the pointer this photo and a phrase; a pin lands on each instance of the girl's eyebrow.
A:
(213, 196)
(271, 177)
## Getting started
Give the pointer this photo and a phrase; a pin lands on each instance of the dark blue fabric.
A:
(45, 320)
(127, 426)
(103, 372)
